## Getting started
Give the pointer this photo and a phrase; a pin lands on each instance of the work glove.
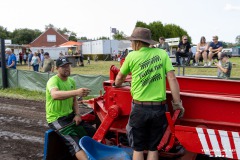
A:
(114, 85)
(180, 107)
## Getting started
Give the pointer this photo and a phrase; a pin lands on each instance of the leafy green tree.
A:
(83, 38)
(157, 29)
(64, 31)
(4, 34)
(142, 24)
(24, 36)
(172, 31)
(167, 31)
(73, 36)
(119, 36)
(49, 26)
(237, 40)
(229, 45)
(225, 45)
(103, 38)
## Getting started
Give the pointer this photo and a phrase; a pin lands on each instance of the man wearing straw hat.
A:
(149, 68)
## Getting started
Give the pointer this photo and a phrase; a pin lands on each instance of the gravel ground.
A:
(23, 125)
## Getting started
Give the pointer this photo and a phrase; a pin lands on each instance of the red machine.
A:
(211, 123)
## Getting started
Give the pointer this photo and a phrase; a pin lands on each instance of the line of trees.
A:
(20, 36)
(26, 36)
(167, 31)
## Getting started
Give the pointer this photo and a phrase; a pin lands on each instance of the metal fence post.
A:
(3, 65)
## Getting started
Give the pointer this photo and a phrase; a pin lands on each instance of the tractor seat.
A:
(99, 151)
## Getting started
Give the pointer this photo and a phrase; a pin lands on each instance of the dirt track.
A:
(22, 129)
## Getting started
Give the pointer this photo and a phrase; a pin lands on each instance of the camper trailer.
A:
(173, 45)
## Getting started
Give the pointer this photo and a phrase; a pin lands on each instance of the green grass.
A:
(20, 93)
(235, 73)
(95, 68)
(102, 68)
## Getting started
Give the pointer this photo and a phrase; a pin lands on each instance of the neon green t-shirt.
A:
(149, 67)
(58, 108)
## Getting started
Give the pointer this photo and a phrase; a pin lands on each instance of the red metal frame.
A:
(210, 105)
(169, 133)
(209, 86)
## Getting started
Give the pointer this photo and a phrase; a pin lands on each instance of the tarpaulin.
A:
(36, 81)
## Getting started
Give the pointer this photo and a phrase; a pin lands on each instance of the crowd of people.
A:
(39, 60)
(149, 67)
(205, 52)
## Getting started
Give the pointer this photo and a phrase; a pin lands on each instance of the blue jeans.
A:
(36, 67)
(188, 55)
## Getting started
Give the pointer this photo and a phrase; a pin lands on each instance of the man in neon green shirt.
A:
(149, 68)
(61, 105)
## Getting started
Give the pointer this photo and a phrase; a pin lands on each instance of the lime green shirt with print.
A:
(149, 67)
(58, 108)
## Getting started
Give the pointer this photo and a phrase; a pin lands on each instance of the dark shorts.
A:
(146, 126)
(72, 142)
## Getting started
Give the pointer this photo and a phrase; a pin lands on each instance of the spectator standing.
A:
(20, 58)
(35, 62)
(41, 58)
(202, 50)
(215, 48)
(62, 107)
(184, 50)
(164, 45)
(149, 68)
(77, 58)
(61, 55)
(124, 54)
(25, 58)
(70, 52)
(48, 64)
(81, 58)
(39, 53)
(96, 58)
(12, 60)
(30, 55)
(88, 59)
(226, 66)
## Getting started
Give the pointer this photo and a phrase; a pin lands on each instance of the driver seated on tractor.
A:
(149, 68)
(62, 107)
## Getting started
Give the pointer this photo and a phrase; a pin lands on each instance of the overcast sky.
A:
(93, 18)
